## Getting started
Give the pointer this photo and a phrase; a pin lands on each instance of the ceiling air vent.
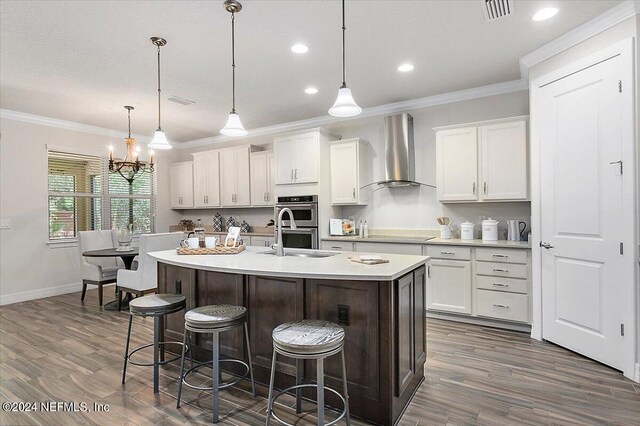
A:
(181, 101)
(496, 9)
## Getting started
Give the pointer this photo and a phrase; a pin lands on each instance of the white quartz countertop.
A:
(255, 261)
(433, 241)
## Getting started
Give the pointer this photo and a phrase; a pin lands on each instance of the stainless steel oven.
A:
(304, 208)
(305, 214)
(306, 238)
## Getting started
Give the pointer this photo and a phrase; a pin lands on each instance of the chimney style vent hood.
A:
(400, 162)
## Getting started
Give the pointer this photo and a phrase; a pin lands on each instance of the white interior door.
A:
(585, 277)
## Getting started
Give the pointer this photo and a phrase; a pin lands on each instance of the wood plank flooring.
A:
(59, 349)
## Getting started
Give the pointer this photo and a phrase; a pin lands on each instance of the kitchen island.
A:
(381, 307)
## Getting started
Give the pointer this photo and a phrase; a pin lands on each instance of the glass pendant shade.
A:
(345, 106)
(159, 141)
(234, 126)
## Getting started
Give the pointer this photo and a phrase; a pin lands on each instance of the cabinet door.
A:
(187, 184)
(457, 164)
(243, 177)
(271, 177)
(449, 286)
(405, 333)
(175, 185)
(199, 180)
(259, 179)
(344, 173)
(227, 178)
(213, 179)
(176, 280)
(283, 149)
(305, 153)
(503, 161)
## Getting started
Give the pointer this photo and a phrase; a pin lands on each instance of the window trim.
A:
(105, 195)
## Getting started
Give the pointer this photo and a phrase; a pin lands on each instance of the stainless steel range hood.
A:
(400, 162)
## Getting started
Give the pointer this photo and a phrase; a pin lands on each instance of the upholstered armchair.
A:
(97, 270)
(144, 279)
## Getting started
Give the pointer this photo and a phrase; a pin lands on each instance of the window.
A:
(84, 196)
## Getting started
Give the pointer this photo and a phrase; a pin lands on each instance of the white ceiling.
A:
(83, 60)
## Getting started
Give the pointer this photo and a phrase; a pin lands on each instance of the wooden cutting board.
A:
(369, 262)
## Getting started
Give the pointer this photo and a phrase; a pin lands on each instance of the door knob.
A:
(545, 245)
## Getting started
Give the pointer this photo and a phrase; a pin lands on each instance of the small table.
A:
(127, 257)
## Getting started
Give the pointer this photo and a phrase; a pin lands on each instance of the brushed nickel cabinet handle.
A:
(500, 285)
(291, 174)
(295, 174)
(354, 193)
(429, 271)
(447, 253)
(497, 305)
(500, 270)
(500, 255)
(485, 188)
(474, 188)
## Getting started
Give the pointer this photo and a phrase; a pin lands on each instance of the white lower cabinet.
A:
(479, 282)
(449, 286)
(337, 245)
(257, 241)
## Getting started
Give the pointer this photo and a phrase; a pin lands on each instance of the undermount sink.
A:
(304, 253)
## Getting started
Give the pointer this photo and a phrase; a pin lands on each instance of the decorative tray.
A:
(219, 249)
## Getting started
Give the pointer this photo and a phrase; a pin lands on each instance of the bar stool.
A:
(156, 306)
(215, 319)
(309, 339)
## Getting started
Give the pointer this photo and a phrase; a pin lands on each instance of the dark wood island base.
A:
(384, 322)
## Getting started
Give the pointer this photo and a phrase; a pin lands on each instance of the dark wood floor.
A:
(58, 349)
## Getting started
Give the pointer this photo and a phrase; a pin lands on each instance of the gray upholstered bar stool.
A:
(309, 339)
(215, 319)
(156, 306)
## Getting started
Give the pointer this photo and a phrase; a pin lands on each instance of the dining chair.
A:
(97, 270)
(144, 279)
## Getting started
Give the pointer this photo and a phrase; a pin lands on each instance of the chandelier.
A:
(131, 167)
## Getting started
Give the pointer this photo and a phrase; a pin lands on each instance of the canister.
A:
(490, 230)
(466, 231)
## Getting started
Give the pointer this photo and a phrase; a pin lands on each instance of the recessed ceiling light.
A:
(311, 90)
(405, 67)
(299, 48)
(544, 14)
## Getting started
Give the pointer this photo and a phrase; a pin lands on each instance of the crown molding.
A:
(600, 23)
(8, 114)
(392, 108)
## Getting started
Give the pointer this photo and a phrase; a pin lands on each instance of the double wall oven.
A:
(305, 214)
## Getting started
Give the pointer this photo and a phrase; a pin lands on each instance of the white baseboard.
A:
(22, 296)
(507, 325)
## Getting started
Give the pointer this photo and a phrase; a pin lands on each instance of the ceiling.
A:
(83, 61)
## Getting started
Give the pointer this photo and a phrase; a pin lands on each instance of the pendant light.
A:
(344, 106)
(159, 140)
(234, 126)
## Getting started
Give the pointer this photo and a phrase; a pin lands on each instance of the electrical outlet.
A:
(343, 314)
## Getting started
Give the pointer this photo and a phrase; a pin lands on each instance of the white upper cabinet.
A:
(483, 162)
(262, 178)
(347, 171)
(503, 170)
(457, 164)
(206, 179)
(235, 177)
(181, 185)
(297, 158)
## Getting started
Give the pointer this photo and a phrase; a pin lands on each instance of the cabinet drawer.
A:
(511, 285)
(497, 304)
(502, 269)
(501, 255)
(449, 252)
(337, 245)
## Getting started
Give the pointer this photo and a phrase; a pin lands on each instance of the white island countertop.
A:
(256, 261)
